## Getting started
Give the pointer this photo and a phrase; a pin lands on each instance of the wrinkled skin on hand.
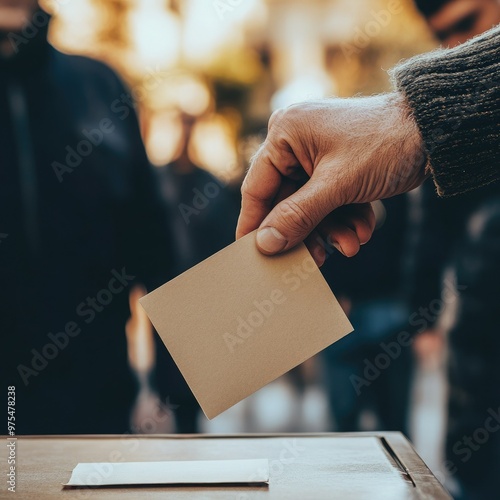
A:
(321, 165)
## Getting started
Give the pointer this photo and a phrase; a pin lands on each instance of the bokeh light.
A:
(246, 58)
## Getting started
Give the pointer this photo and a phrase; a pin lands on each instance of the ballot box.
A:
(301, 466)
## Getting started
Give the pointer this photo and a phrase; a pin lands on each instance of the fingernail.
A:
(319, 256)
(270, 240)
(338, 247)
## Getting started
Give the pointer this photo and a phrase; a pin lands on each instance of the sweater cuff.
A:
(454, 96)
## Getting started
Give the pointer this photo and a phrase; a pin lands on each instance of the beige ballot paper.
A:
(240, 319)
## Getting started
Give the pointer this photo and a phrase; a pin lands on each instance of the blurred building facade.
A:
(230, 63)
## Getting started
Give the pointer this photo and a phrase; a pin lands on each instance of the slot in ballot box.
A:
(301, 466)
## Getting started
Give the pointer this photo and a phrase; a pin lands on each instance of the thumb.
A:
(291, 221)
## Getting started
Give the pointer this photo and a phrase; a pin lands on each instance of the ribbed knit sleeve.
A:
(455, 98)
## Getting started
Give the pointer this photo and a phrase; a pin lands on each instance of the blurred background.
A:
(230, 63)
(227, 65)
(203, 77)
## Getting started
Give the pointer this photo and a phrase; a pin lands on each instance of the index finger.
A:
(258, 192)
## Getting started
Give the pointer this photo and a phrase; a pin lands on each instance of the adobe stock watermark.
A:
(391, 351)
(101, 471)
(121, 108)
(290, 452)
(151, 423)
(468, 444)
(249, 324)
(11, 462)
(88, 310)
(130, 444)
(378, 21)
(204, 196)
(201, 200)
(84, 148)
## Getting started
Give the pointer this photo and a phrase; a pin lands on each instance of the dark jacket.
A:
(76, 230)
(463, 234)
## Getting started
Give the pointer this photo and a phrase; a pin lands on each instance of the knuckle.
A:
(244, 187)
(285, 118)
(276, 117)
(256, 155)
(294, 217)
(295, 111)
(247, 191)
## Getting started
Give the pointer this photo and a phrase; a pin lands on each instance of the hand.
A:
(322, 155)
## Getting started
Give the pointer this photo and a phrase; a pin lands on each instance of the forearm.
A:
(455, 99)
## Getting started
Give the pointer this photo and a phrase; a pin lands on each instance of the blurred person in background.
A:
(202, 209)
(202, 212)
(463, 234)
(370, 286)
(81, 221)
(455, 21)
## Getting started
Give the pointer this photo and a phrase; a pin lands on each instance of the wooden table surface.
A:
(302, 466)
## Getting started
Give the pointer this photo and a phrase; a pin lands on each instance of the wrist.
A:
(412, 162)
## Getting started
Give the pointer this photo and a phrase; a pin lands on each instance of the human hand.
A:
(321, 165)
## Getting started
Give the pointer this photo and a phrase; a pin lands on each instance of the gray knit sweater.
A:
(455, 98)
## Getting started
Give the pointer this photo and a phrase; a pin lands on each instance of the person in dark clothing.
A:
(81, 221)
(473, 440)
(202, 212)
(454, 21)
(463, 234)
(371, 283)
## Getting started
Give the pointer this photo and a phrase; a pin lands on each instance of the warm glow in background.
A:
(231, 62)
